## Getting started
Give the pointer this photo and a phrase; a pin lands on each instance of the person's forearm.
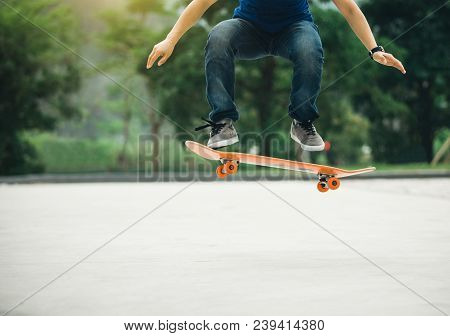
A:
(191, 14)
(357, 22)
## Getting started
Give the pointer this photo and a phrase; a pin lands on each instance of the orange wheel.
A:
(220, 171)
(333, 183)
(231, 167)
(322, 187)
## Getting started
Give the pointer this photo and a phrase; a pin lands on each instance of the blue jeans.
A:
(238, 39)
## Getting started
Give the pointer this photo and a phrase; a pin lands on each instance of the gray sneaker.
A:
(222, 133)
(306, 135)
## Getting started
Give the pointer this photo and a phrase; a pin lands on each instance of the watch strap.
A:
(374, 50)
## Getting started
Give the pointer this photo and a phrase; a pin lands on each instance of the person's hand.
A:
(388, 60)
(162, 51)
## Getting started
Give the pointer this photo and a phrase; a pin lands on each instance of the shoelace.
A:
(308, 127)
(215, 127)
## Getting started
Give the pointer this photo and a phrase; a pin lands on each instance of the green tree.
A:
(143, 7)
(424, 90)
(341, 122)
(127, 39)
(37, 76)
(123, 39)
(178, 86)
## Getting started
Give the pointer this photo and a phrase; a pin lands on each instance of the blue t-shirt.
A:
(273, 15)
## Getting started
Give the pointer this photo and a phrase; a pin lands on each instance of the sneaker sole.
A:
(224, 143)
(307, 147)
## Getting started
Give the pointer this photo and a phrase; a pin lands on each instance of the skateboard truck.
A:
(327, 182)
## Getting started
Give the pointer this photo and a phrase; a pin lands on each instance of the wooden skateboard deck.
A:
(328, 176)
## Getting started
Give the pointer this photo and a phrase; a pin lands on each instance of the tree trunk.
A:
(425, 117)
(122, 158)
(155, 127)
(265, 92)
(126, 118)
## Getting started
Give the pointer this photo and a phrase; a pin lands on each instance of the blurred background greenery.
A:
(76, 97)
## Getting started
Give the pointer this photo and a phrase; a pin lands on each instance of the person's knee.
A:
(220, 38)
(307, 53)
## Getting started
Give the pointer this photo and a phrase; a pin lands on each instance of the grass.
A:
(405, 166)
(68, 155)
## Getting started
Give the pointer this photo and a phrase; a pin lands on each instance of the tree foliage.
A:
(421, 32)
(145, 6)
(362, 104)
(37, 76)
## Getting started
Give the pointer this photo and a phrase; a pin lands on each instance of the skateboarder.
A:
(262, 28)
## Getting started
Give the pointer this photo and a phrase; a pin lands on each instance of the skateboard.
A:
(328, 177)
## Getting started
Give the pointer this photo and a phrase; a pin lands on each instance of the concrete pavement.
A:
(374, 247)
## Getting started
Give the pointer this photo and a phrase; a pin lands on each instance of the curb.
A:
(183, 177)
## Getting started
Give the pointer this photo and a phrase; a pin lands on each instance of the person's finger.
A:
(398, 65)
(163, 60)
(389, 57)
(395, 63)
(153, 58)
(149, 60)
(150, 57)
(156, 55)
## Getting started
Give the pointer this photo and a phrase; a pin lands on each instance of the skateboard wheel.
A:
(333, 183)
(322, 187)
(231, 167)
(220, 171)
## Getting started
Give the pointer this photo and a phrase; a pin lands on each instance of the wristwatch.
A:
(374, 50)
